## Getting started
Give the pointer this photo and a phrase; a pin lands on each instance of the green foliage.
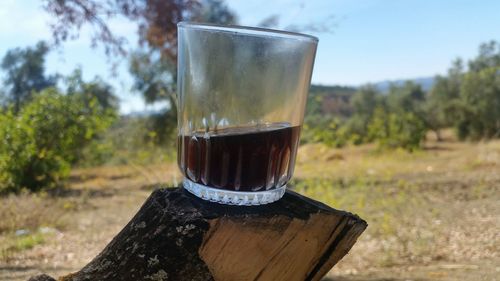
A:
(96, 89)
(439, 102)
(489, 56)
(479, 105)
(467, 100)
(363, 103)
(396, 120)
(154, 76)
(215, 11)
(440, 106)
(407, 98)
(25, 73)
(131, 140)
(13, 244)
(28, 241)
(391, 130)
(40, 143)
(330, 132)
(99, 95)
(327, 109)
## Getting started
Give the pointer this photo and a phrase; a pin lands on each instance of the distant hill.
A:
(335, 100)
(330, 100)
(425, 82)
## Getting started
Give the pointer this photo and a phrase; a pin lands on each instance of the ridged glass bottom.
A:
(228, 197)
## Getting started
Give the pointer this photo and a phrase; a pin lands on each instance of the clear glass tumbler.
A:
(241, 98)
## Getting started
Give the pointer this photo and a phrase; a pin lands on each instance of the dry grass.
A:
(29, 212)
(23, 216)
(432, 214)
(439, 206)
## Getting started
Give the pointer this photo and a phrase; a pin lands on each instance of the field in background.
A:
(433, 214)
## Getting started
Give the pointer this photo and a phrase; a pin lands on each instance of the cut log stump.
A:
(176, 236)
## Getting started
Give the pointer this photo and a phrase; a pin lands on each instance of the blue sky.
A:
(372, 40)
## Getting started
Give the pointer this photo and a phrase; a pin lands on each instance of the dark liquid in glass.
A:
(240, 158)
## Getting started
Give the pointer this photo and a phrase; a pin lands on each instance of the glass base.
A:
(242, 198)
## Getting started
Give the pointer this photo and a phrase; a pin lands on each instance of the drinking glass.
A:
(241, 98)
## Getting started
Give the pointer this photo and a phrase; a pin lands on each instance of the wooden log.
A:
(41, 277)
(176, 236)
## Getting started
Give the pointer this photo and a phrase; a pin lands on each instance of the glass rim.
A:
(248, 30)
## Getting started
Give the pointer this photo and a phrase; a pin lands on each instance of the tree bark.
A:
(176, 236)
(437, 132)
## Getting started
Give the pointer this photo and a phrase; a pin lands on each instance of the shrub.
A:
(41, 142)
(329, 131)
(391, 130)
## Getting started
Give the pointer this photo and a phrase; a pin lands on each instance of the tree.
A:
(469, 101)
(479, 110)
(393, 121)
(441, 103)
(95, 96)
(364, 102)
(155, 74)
(214, 11)
(156, 21)
(436, 106)
(411, 98)
(39, 144)
(489, 56)
(25, 74)
(396, 130)
(96, 89)
(407, 98)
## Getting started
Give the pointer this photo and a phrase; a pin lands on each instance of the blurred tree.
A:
(25, 73)
(470, 101)
(489, 56)
(154, 77)
(156, 21)
(330, 131)
(327, 109)
(94, 96)
(214, 11)
(396, 130)
(442, 99)
(407, 98)
(479, 107)
(330, 100)
(96, 89)
(155, 74)
(39, 144)
(364, 102)
(411, 98)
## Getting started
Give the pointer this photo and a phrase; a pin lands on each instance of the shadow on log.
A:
(176, 236)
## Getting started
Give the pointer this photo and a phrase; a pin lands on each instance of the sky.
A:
(366, 41)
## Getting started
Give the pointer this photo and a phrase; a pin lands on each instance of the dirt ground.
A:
(442, 221)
